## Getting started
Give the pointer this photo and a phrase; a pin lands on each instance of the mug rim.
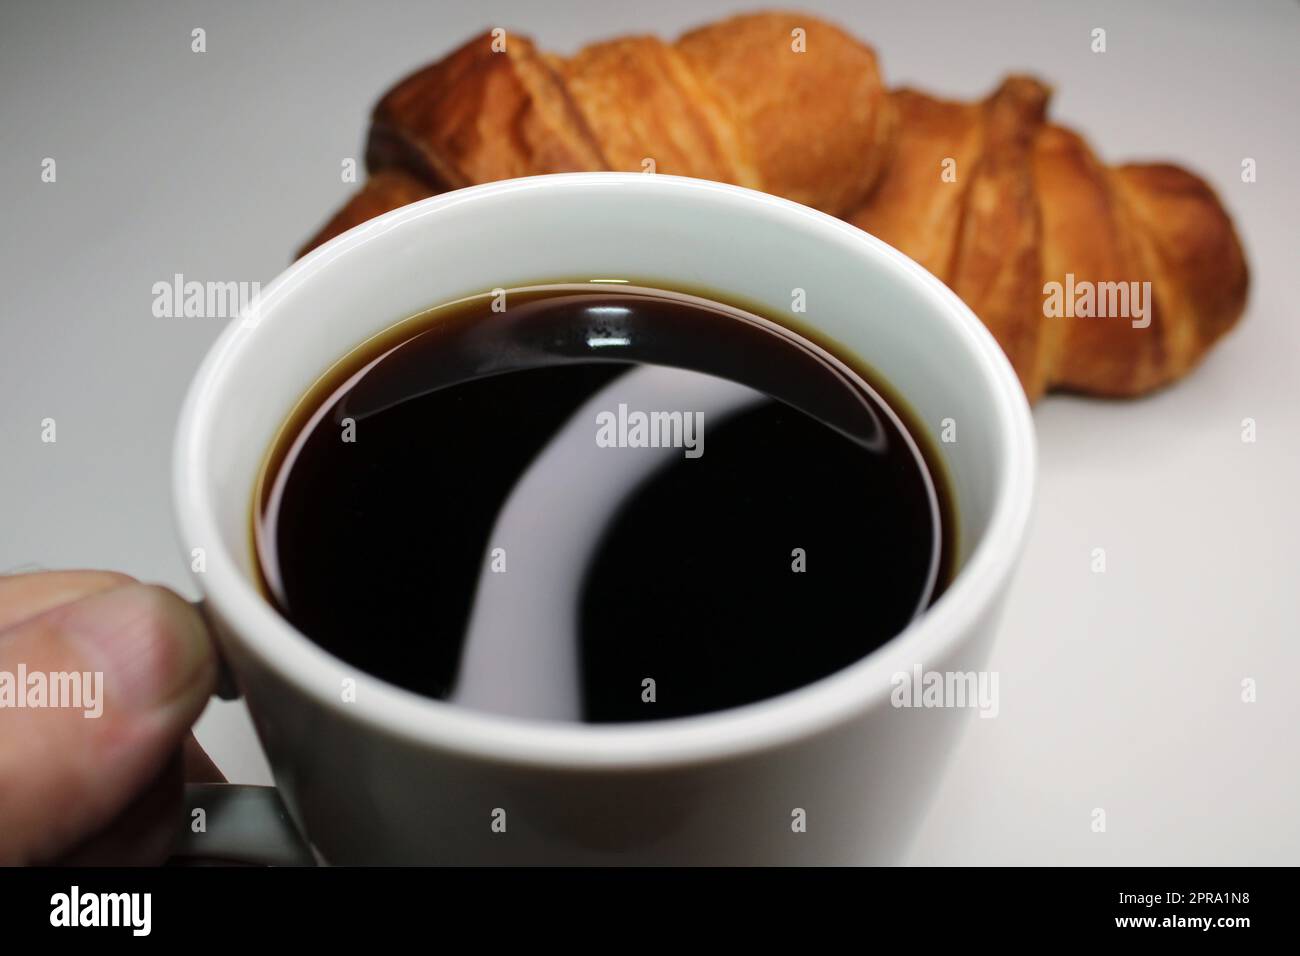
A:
(763, 725)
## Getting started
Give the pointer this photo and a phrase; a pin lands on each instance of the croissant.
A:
(1111, 281)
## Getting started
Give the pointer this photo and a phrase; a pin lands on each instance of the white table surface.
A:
(1119, 690)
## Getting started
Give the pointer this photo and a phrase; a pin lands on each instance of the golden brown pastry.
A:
(1048, 246)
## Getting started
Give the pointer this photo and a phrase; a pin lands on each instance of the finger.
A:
(24, 596)
(144, 833)
(144, 668)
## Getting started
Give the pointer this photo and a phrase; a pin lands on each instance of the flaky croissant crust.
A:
(1017, 215)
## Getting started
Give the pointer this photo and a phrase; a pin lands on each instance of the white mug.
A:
(831, 773)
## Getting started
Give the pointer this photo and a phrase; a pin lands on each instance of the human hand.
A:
(80, 787)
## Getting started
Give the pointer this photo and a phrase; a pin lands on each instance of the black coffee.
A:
(600, 502)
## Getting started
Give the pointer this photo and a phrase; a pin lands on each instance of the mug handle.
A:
(226, 688)
(242, 824)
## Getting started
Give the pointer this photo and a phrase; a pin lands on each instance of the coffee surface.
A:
(599, 503)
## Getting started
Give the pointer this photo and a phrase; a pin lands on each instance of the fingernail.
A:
(149, 644)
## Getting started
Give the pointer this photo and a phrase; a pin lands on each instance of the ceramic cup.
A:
(831, 773)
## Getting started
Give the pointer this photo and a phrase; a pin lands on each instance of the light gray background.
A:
(1119, 690)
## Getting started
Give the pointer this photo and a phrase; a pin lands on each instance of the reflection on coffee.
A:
(599, 502)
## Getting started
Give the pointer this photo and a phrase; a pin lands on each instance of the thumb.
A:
(110, 684)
